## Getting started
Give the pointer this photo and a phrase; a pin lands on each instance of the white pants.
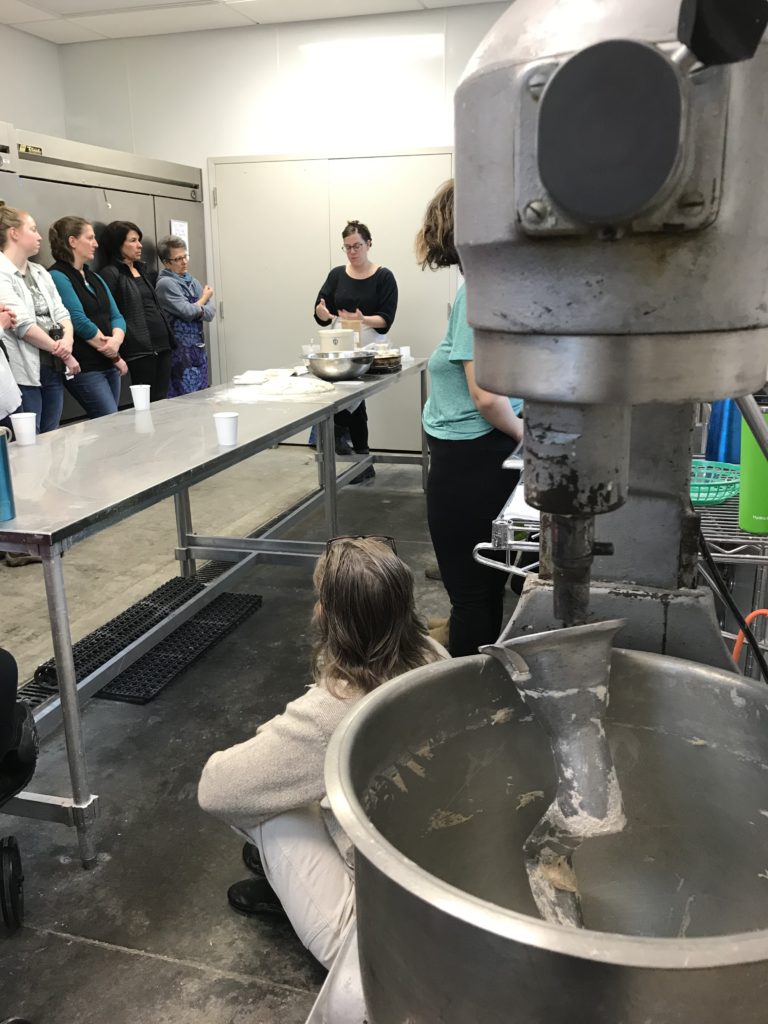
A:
(306, 870)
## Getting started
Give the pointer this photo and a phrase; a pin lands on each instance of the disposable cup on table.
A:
(140, 396)
(24, 427)
(226, 427)
(405, 351)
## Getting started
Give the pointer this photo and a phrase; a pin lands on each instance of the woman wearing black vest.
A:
(149, 337)
(99, 328)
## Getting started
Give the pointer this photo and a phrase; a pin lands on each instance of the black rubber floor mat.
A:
(147, 677)
(114, 636)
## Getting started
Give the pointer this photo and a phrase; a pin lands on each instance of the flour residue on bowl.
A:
(447, 819)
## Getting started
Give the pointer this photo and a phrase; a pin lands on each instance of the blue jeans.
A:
(97, 391)
(47, 401)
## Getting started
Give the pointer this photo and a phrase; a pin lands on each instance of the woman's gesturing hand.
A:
(323, 312)
(345, 314)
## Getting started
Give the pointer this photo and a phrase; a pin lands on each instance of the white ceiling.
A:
(77, 21)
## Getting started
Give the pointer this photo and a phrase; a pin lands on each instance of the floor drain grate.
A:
(140, 682)
(114, 636)
(147, 677)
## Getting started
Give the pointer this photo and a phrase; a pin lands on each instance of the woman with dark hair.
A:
(98, 327)
(148, 338)
(187, 304)
(470, 432)
(364, 291)
(271, 788)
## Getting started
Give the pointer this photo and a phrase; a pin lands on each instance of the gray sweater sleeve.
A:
(279, 769)
(174, 301)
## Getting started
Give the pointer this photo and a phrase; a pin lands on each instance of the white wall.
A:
(32, 92)
(363, 85)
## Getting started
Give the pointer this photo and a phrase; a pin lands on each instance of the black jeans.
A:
(9, 679)
(466, 490)
(154, 370)
(356, 422)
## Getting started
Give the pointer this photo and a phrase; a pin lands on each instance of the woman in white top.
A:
(39, 345)
(10, 396)
(271, 788)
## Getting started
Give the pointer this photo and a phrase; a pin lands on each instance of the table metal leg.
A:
(84, 801)
(759, 600)
(187, 567)
(424, 446)
(328, 449)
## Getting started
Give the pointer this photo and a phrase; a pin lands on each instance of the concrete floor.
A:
(148, 937)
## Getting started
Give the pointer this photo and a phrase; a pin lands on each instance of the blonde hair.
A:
(434, 242)
(10, 218)
(365, 619)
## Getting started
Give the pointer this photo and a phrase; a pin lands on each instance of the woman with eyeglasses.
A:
(364, 291)
(148, 336)
(188, 304)
(470, 432)
(271, 788)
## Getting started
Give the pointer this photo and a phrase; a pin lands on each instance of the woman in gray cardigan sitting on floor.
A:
(271, 788)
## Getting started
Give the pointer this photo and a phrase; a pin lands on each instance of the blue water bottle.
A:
(7, 506)
(724, 433)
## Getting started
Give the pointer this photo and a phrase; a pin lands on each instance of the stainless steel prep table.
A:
(84, 478)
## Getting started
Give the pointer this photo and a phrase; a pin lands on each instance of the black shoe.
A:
(367, 475)
(342, 441)
(254, 896)
(252, 860)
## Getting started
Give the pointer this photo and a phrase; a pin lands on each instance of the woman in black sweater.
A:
(98, 328)
(360, 290)
(149, 338)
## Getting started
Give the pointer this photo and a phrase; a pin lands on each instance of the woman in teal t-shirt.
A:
(470, 432)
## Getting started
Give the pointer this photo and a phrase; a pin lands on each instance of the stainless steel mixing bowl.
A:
(439, 777)
(334, 366)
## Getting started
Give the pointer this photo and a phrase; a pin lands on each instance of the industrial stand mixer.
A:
(555, 831)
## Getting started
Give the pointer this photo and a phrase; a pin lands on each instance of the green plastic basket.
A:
(712, 483)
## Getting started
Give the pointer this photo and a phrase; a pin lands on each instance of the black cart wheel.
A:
(11, 884)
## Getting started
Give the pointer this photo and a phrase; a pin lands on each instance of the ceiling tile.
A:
(61, 31)
(163, 20)
(73, 8)
(266, 12)
(447, 3)
(13, 12)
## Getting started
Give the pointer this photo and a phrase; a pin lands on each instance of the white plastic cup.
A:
(140, 396)
(24, 427)
(405, 351)
(226, 427)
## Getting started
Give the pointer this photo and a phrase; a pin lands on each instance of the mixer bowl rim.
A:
(606, 947)
(356, 355)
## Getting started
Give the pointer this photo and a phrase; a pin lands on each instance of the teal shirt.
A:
(450, 414)
(81, 325)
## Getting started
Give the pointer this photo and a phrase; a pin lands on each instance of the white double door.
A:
(277, 231)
